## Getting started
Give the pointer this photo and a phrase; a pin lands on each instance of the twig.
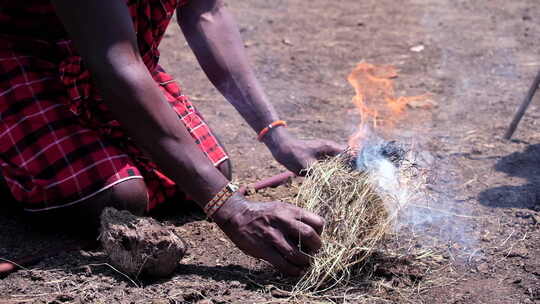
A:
(506, 240)
(523, 107)
(9, 261)
(7, 266)
(118, 271)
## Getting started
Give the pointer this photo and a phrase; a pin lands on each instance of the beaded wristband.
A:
(271, 126)
(219, 199)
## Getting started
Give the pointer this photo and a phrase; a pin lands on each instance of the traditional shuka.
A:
(58, 142)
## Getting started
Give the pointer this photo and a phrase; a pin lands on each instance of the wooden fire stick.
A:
(523, 107)
(273, 181)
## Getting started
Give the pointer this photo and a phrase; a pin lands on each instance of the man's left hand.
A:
(297, 155)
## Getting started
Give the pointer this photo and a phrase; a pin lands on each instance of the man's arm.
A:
(213, 35)
(103, 34)
(215, 39)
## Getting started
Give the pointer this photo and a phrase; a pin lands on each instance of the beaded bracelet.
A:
(271, 126)
(219, 199)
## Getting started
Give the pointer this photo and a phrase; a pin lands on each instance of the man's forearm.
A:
(103, 33)
(214, 37)
(137, 103)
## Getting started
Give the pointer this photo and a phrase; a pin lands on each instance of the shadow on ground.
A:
(30, 240)
(523, 164)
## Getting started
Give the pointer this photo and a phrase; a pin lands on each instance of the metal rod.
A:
(523, 107)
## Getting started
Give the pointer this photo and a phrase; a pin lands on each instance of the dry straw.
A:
(357, 219)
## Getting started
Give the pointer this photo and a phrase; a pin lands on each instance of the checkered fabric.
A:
(58, 142)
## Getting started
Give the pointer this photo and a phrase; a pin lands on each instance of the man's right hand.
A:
(282, 234)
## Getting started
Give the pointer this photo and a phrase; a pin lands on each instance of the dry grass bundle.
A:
(356, 220)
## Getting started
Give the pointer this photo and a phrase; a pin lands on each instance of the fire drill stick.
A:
(273, 181)
(523, 107)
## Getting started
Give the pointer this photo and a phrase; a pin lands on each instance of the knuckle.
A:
(308, 232)
(322, 222)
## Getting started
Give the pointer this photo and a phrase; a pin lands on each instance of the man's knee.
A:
(131, 195)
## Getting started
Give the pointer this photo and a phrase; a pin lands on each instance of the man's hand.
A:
(297, 155)
(282, 234)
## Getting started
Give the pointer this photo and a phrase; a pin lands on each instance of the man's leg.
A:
(130, 195)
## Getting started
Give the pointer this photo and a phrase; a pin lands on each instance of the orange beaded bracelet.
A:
(275, 124)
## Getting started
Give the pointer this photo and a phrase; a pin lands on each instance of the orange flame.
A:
(375, 100)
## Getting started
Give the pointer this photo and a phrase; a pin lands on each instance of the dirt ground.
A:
(479, 59)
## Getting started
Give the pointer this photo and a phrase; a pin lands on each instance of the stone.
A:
(484, 267)
(140, 245)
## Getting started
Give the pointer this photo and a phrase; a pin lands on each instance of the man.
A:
(89, 119)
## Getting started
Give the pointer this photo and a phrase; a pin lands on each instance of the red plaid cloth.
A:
(58, 143)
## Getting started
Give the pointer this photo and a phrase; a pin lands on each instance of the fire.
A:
(376, 101)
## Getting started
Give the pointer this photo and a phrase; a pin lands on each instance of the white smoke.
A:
(419, 192)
